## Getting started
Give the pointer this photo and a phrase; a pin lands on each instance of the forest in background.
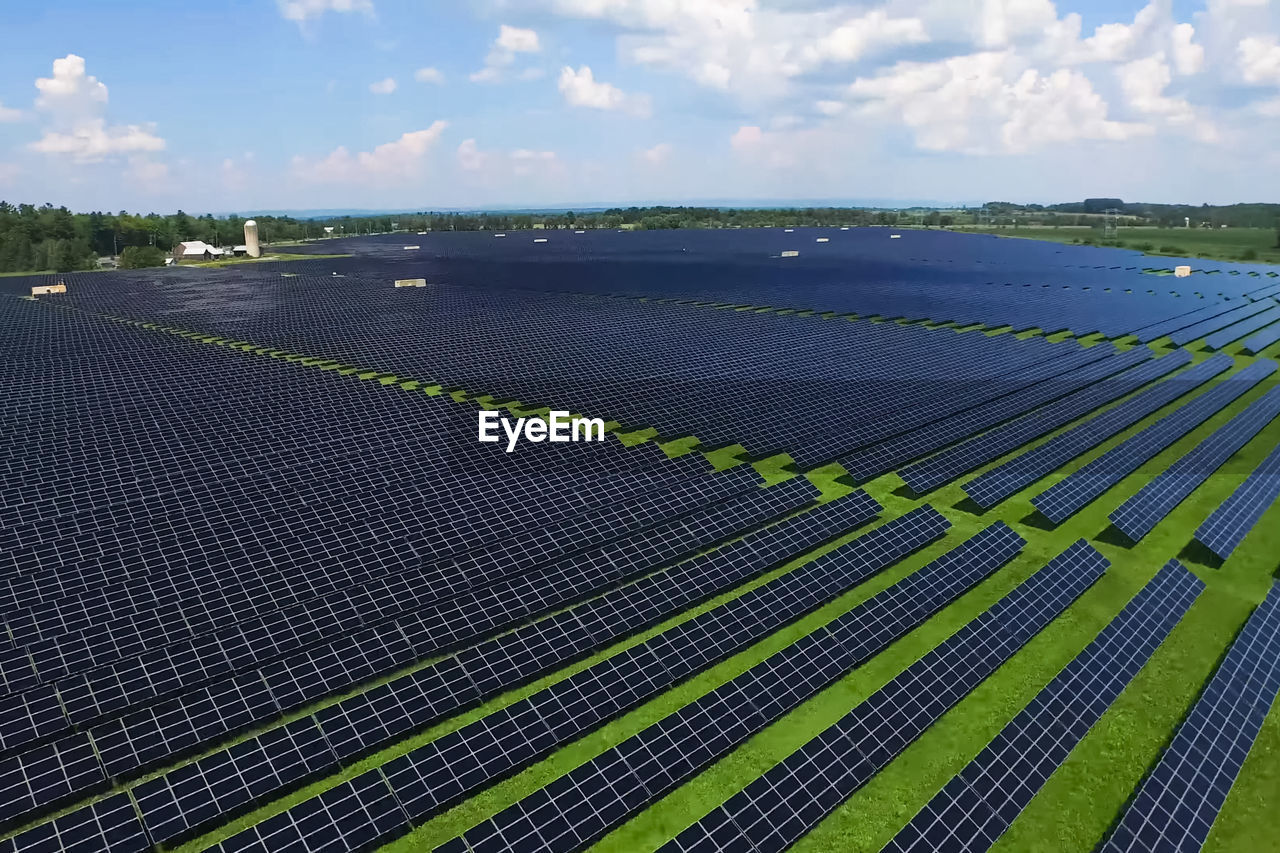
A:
(54, 238)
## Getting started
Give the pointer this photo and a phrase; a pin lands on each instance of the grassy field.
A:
(1249, 245)
(1078, 804)
(274, 256)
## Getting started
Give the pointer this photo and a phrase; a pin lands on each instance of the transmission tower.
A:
(1110, 223)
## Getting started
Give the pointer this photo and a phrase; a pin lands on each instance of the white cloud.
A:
(581, 89)
(305, 10)
(515, 40)
(830, 108)
(657, 155)
(851, 40)
(1188, 57)
(1259, 58)
(92, 141)
(1144, 81)
(746, 137)
(70, 93)
(510, 42)
(383, 87)
(429, 75)
(526, 162)
(8, 114)
(389, 163)
(73, 103)
(1003, 21)
(470, 157)
(989, 101)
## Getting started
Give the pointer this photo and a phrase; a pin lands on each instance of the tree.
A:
(141, 257)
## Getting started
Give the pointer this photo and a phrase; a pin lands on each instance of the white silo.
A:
(251, 239)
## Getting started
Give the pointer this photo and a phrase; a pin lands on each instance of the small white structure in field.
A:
(411, 248)
(579, 232)
(499, 235)
(539, 239)
(844, 227)
(411, 282)
(790, 254)
(1182, 271)
(895, 236)
(251, 239)
(823, 240)
(787, 230)
(42, 289)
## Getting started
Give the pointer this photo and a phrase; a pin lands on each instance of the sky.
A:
(242, 105)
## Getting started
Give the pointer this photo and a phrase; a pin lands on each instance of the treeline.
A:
(1087, 212)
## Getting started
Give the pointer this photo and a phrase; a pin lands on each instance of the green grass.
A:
(1074, 809)
(1223, 244)
(273, 256)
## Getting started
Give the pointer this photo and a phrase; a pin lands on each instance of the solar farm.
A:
(902, 541)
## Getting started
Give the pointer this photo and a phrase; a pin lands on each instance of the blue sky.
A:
(237, 105)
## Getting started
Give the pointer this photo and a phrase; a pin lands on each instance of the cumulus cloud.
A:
(511, 41)
(1188, 57)
(8, 114)
(429, 75)
(383, 87)
(492, 167)
(305, 10)
(72, 104)
(1144, 82)
(581, 89)
(852, 39)
(388, 163)
(1259, 58)
(746, 137)
(657, 155)
(989, 101)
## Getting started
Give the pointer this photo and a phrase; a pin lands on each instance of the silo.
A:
(251, 239)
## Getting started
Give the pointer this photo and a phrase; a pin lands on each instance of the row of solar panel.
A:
(687, 739)
(980, 802)
(501, 743)
(353, 725)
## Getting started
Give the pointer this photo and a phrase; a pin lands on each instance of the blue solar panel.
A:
(1235, 332)
(1213, 324)
(1176, 805)
(981, 801)
(1064, 498)
(1139, 514)
(1227, 526)
(990, 488)
(1255, 344)
(774, 811)
(943, 467)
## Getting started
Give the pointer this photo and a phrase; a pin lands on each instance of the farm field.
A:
(1252, 245)
(867, 499)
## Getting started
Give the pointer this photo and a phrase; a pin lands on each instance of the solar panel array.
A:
(1227, 526)
(230, 571)
(587, 802)
(980, 802)
(1137, 516)
(928, 474)
(1066, 497)
(1176, 805)
(1000, 482)
(785, 803)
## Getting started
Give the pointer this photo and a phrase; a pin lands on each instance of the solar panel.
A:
(1064, 498)
(1139, 514)
(109, 824)
(592, 799)
(1255, 344)
(1235, 332)
(984, 798)
(1221, 321)
(1227, 525)
(988, 489)
(356, 815)
(1089, 366)
(1176, 805)
(41, 779)
(930, 473)
(774, 811)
